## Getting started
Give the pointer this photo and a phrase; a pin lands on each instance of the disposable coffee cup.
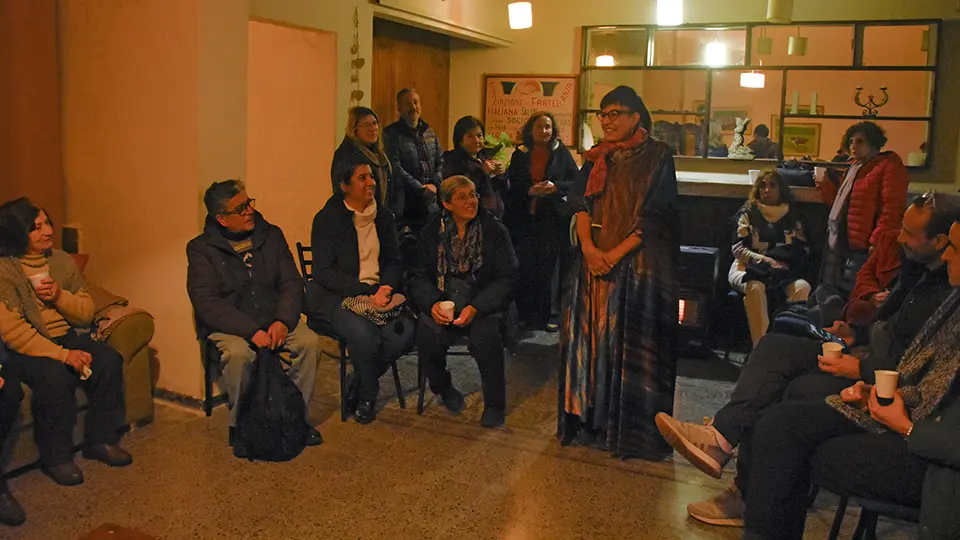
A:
(832, 350)
(754, 175)
(886, 385)
(37, 278)
(819, 174)
(447, 307)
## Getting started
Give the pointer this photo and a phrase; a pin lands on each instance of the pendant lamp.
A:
(779, 11)
(669, 12)
(521, 15)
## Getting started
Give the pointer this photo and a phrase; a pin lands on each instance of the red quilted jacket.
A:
(877, 202)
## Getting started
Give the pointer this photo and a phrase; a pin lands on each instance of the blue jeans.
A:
(372, 347)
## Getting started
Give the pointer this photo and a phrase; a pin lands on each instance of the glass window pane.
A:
(684, 133)
(824, 46)
(821, 138)
(899, 45)
(624, 47)
(730, 101)
(910, 92)
(661, 90)
(699, 47)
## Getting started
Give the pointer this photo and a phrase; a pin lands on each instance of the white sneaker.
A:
(698, 444)
(725, 509)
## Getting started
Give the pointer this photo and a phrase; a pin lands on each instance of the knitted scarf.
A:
(17, 294)
(598, 155)
(464, 256)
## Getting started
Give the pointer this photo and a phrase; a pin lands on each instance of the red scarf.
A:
(598, 155)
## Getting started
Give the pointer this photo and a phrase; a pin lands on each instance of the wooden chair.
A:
(324, 328)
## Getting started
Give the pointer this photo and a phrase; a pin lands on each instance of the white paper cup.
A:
(819, 174)
(37, 278)
(832, 350)
(886, 385)
(754, 175)
(447, 307)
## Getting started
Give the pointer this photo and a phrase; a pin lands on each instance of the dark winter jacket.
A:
(496, 280)
(230, 298)
(561, 169)
(336, 257)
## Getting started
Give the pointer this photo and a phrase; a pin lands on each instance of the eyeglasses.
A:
(464, 197)
(612, 115)
(368, 125)
(249, 204)
(929, 199)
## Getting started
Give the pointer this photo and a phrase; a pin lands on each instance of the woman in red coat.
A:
(865, 206)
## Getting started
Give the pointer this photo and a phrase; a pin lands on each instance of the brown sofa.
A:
(129, 335)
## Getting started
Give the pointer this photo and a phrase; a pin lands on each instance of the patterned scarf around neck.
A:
(598, 155)
(462, 256)
(378, 158)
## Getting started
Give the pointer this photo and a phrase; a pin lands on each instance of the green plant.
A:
(497, 144)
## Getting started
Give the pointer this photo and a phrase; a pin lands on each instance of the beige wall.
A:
(334, 16)
(29, 108)
(291, 106)
(557, 29)
(153, 105)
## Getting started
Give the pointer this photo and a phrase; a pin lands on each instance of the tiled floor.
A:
(404, 476)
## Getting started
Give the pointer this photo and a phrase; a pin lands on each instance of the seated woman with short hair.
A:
(43, 308)
(463, 281)
(356, 263)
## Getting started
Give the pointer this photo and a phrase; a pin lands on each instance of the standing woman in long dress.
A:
(618, 342)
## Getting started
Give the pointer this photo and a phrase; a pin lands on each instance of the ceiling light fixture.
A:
(797, 45)
(521, 15)
(753, 79)
(605, 60)
(715, 54)
(669, 12)
(780, 11)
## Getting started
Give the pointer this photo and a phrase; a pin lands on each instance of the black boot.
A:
(11, 513)
(365, 413)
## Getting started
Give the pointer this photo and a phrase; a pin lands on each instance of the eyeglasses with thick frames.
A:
(249, 204)
(612, 115)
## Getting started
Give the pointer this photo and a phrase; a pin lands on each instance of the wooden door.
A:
(408, 57)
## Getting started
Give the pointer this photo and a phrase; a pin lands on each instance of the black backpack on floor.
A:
(271, 423)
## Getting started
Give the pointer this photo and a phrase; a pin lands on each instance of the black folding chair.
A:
(870, 512)
(324, 328)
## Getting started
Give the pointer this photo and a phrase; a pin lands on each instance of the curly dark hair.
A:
(17, 221)
(526, 134)
(874, 134)
(786, 197)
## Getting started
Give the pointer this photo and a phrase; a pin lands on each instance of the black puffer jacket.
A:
(491, 189)
(230, 298)
(336, 258)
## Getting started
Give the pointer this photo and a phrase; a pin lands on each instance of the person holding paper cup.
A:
(43, 306)
(793, 435)
(465, 258)
(788, 368)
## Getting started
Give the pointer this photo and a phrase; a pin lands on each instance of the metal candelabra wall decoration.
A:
(871, 106)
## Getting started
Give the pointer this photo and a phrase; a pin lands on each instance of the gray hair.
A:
(217, 195)
(452, 185)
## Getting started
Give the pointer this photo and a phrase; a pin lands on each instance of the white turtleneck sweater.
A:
(368, 243)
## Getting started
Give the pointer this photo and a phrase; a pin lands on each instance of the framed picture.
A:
(509, 100)
(801, 140)
(727, 117)
(775, 119)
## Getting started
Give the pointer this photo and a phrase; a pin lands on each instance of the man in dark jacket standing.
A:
(414, 151)
(247, 294)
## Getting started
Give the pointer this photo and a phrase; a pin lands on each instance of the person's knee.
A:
(486, 333)
(800, 291)
(56, 380)
(109, 360)
(755, 288)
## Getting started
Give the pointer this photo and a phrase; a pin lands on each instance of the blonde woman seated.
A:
(769, 251)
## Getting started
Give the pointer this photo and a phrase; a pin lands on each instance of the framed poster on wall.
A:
(509, 100)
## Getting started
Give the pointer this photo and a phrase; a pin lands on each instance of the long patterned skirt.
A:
(618, 353)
